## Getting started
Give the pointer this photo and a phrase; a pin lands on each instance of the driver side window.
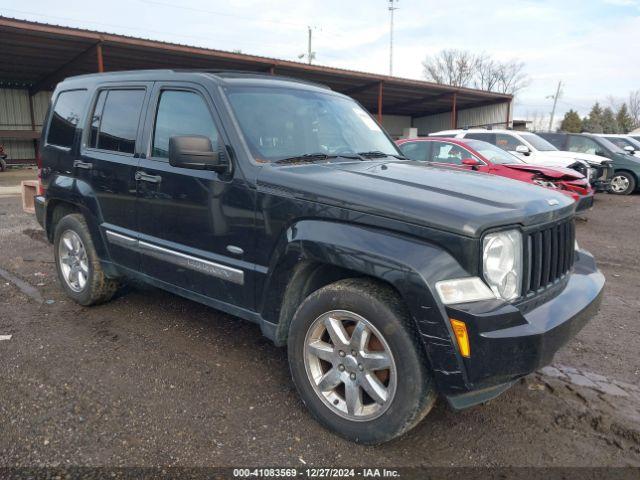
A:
(448, 153)
(507, 142)
(582, 145)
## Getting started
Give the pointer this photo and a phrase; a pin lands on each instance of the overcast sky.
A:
(593, 46)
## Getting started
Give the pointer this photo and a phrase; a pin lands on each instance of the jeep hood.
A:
(466, 203)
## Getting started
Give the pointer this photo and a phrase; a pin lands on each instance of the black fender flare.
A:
(79, 195)
(410, 265)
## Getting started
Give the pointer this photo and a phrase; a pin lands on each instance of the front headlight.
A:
(502, 263)
(544, 183)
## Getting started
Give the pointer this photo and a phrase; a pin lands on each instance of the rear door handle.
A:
(83, 165)
(145, 177)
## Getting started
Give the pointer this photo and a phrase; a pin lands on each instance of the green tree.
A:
(609, 123)
(571, 122)
(593, 123)
(624, 119)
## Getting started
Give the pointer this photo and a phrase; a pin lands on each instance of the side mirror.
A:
(629, 149)
(523, 149)
(471, 162)
(601, 153)
(195, 152)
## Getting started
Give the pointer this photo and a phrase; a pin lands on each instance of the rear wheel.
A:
(357, 361)
(77, 263)
(623, 183)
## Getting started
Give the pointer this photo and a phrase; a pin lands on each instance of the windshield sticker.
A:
(367, 120)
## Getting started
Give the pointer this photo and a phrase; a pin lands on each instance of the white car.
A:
(625, 142)
(532, 149)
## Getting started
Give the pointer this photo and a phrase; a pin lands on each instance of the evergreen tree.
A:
(609, 123)
(625, 121)
(571, 122)
(593, 123)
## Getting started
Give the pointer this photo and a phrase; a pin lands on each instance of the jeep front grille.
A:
(548, 254)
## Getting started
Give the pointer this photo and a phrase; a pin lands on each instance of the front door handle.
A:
(83, 165)
(145, 177)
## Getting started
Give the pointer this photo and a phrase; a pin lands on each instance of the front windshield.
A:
(492, 153)
(538, 142)
(280, 123)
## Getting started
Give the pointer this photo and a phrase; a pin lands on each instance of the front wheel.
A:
(358, 363)
(623, 183)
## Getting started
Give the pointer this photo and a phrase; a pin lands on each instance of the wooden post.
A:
(508, 113)
(33, 125)
(99, 55)
(380, 102)
(272, 70)
(454, 111)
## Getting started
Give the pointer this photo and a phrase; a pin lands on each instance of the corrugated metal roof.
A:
(39, 55)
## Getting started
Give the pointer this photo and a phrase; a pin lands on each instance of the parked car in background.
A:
(3, 159)
(533, 149)
(626, 176)
(484, 157)
(286, 204)
(625, 142)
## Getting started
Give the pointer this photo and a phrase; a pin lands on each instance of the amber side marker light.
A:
(460, 331)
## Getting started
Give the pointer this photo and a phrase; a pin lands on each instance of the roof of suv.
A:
(219, 76)
(476, 130)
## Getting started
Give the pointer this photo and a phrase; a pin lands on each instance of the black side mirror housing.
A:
(196, 152)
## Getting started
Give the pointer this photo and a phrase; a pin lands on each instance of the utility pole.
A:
(311, 55)
(392, 8)
(555, 102)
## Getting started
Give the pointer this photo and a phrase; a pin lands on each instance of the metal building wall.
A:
(479, 116)
(15, 115)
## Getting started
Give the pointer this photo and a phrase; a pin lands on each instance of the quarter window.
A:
(114, 124)
(181, 113)
(66, 115)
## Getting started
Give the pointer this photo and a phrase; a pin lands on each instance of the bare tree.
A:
(451, 67)
(634, 107)
(487, 73)
(460, 68)
(511, 77)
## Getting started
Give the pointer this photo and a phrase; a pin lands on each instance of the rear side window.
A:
(66, 115)
(114, 124)
(181, 113)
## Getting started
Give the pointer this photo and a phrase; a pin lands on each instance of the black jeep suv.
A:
(285, 204)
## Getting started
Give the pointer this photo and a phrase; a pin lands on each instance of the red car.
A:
(485, 157)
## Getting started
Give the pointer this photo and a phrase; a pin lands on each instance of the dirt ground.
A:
(153, 379)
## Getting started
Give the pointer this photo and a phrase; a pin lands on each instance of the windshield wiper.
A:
(313, 157)
(379, 154)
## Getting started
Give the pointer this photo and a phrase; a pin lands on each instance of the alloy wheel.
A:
(619, 183)
(350, 365)
(73, 261)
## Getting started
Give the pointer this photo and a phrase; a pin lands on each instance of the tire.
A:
(623, 183)
(408, 383)
(74, 250)
(3, 165)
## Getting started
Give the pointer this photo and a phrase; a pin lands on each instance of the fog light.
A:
(460, 331)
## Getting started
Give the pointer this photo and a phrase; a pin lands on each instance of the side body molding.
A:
(179, 259)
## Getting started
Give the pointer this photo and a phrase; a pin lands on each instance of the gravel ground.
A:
(152, 379)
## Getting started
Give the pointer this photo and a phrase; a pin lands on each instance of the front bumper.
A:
(585, 202)
(509, 341)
